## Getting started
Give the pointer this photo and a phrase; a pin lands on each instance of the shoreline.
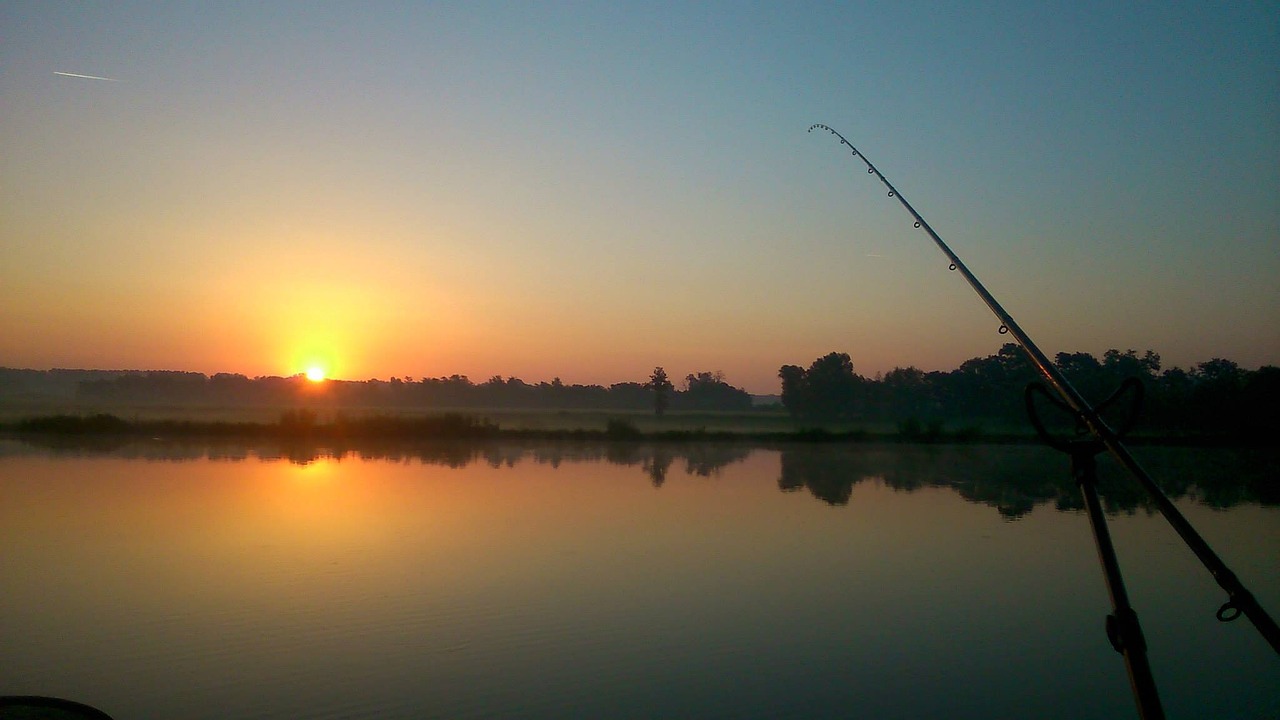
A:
(294, 427)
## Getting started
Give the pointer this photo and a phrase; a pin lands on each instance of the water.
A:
(166, 581)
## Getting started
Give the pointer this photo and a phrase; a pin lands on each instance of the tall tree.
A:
(834, 388)
(660, 385)
(793, 389)
(829, 391)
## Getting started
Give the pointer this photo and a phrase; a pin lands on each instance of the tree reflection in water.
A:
(1016, 479)
(1013, 479)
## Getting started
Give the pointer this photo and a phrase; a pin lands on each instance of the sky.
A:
(590, 190)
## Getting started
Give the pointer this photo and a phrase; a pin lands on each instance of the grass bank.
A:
(309, 425)
(321, 426)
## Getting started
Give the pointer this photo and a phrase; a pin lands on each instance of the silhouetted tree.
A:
(660, 385)
(1216, 393)
(991, 387)
(1259, 414)
(1120, 365)
(1084, 372)
(631, 395)
(709, 391)
(793, 389)
(829, 391)
(1170, 404)
(905, 393)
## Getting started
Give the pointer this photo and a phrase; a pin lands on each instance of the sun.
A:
(315, 374)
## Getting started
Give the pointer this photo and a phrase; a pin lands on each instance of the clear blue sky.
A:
(589, 190)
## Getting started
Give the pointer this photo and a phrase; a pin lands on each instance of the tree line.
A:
(702, 391)
(1014, 481)
(1212, 397)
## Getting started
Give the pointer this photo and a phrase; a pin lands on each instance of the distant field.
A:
(758, 423)
(748, 422)
(754, 421)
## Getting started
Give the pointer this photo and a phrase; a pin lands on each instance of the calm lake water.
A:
(189, 581)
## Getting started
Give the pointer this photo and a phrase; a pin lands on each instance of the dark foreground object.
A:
(35, 707)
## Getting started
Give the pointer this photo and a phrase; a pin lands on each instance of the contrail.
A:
(86, 77)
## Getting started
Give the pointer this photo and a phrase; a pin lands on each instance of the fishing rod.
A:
(1239, 599)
